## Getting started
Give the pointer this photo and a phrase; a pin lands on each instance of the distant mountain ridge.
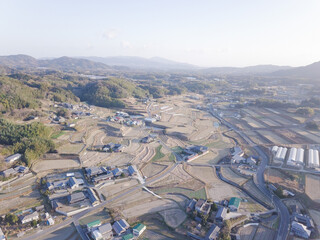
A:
(311, 71)
(258, 69)
(62, 63)
(155, 63)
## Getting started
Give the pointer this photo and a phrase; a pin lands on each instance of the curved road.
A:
(282, 210)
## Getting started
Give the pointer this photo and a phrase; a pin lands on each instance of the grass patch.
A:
(177, 149)
(172, 157)
(58, 134)
(201, 193)
(158, 154)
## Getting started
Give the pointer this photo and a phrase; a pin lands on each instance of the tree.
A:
(62, 112)
(305, 111)
(11, 218)
(214, 207)
(34, 223)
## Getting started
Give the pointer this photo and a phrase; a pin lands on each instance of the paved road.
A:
(282, 210)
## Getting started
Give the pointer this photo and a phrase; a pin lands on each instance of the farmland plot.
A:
(312, 187)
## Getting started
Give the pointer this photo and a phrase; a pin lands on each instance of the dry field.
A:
(44, 165)
(173, 217)
(252, 188)
(135, 198)
(26, 200)
(253, 123)
(70, 148)
(205, 174)
(251, 206)
(274, 138)
(264, 233)
(313, 187)
(118, 159)
(231, 175)
(314, 138)
(270, 122)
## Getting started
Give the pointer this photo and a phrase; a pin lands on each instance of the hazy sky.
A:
(202, 32)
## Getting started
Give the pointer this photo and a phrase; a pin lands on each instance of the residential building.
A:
(21, 169)
(93, 171)
(13, 158)
(120, 226)
(304, 219)
(30, 217)
(139, 229)
(93, 197)
(191, 205)
(9, 172)
(237, 151)
(199, 204)
(234, 204)
(213, 233)
(300, 230)
(117, 172)
(50, 221)
(75, 182)
(205, 208)
(106, 230)
(132, 170)
(103, 177)
(251, 161)
(221, 214)
(76, 197)
(128, 237)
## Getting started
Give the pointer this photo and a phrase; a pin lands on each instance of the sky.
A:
(201, 32)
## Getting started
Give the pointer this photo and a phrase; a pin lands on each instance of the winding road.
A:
(281, 208)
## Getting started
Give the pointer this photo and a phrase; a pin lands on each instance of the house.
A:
(93, 197)
(191, 205)
(50, 221)
(30, 217)
(117, 172)
(234, 204)
(103, 177)
(237, 151)
(199, 204)
(139, 229)
(205, 208)
(93, 224)
(221, 214)
(120, 226)
(213, 233)
(13, 158)
(132, 170)
(224, 203)
(251, 161)
(2, 236)
(75, 182)
(76, 197)
(303, 219)
(9, 172)
(96, 235)
(106, 230)
(128, 236)
(93, 171)
(238, 159)
(300, 230)
(21, 169)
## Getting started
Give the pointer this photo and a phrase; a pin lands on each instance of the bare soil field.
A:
(148, 207)
(293, 136)
(109, 191)
(313, 187)
(152, 169)
(90, 158)
(264, 233)
(251, 206)
(118, 159)
(270, 122)
(173, 217)
(70, 148)
(44, 165)
(136, 198)
(66, 233)
(248, 232)
(231, 175)
(273, 137)
(205, 174)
